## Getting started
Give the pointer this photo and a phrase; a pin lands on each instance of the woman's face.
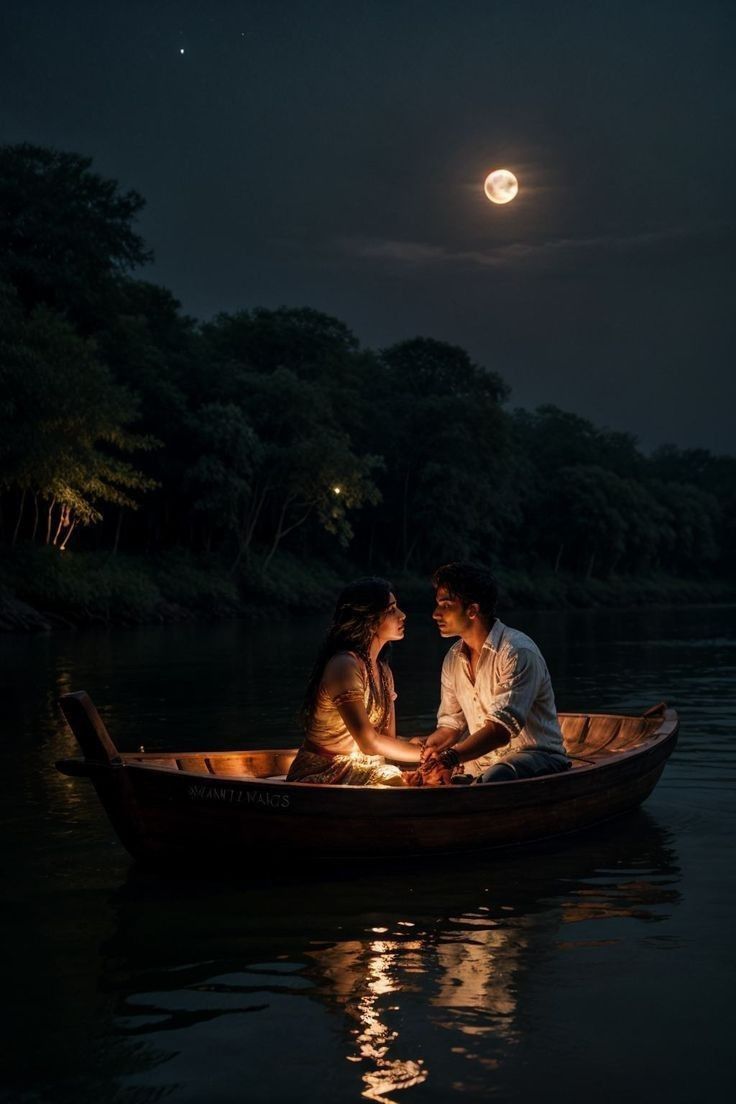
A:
(391, 625)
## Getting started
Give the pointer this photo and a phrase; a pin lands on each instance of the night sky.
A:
(333, 155)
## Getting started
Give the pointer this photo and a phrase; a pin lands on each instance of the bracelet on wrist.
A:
(449, 758)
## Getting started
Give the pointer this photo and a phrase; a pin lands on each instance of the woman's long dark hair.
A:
(359, 609)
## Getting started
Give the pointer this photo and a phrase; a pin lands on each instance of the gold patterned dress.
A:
(329, 753)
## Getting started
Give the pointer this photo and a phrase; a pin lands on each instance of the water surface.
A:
(597, 966)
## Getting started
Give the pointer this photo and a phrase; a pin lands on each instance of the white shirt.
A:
(512, 686)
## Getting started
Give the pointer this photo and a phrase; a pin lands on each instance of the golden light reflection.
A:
(467, 976)
(375, 1037)
(473, 970)
(477, 977)
(623, 900)
(363, 974)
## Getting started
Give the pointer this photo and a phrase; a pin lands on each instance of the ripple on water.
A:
(391, 985)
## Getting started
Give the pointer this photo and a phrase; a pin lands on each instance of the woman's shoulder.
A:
(344, 666)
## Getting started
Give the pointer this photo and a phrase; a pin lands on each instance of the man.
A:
(497, 717)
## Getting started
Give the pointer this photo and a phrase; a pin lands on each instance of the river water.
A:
(599, 966)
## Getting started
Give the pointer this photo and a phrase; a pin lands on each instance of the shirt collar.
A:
(492, 641)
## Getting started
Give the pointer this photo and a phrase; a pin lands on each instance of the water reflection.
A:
(360, 977)
(476, 977)
(422, 974)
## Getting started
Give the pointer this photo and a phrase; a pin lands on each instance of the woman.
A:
(348, 710)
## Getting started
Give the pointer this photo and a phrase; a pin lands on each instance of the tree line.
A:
(128, 426)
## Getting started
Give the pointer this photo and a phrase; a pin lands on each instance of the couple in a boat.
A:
(497, 719)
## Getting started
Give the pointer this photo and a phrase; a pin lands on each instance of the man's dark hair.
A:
(469, 583)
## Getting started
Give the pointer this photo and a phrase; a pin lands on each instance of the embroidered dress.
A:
(329, 754)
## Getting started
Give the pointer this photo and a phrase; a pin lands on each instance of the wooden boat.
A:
(236, 806)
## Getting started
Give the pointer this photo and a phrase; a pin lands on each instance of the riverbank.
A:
(41, 590)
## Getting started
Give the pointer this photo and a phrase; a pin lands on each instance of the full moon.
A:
(501, 186)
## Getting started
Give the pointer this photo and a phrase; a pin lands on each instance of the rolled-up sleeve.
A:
(450, 714)
(517, 691)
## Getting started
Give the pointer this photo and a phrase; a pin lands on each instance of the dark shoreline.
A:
(128, 592)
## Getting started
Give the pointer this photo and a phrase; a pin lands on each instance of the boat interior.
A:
(590, 739)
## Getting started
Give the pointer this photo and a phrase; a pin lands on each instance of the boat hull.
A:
(219, 808)
(160, 815)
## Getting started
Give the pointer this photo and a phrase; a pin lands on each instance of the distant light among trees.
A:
(127, 424)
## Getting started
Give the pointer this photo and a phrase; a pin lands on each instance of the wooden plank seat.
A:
(260, 765)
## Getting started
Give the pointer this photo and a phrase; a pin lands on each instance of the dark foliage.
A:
(270, 437)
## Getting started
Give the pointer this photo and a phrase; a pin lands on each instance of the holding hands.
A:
(438, 761)
(441, 739)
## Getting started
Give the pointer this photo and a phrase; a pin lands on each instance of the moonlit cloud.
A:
(676, 243)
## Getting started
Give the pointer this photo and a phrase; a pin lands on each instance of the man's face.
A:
(451, 617)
